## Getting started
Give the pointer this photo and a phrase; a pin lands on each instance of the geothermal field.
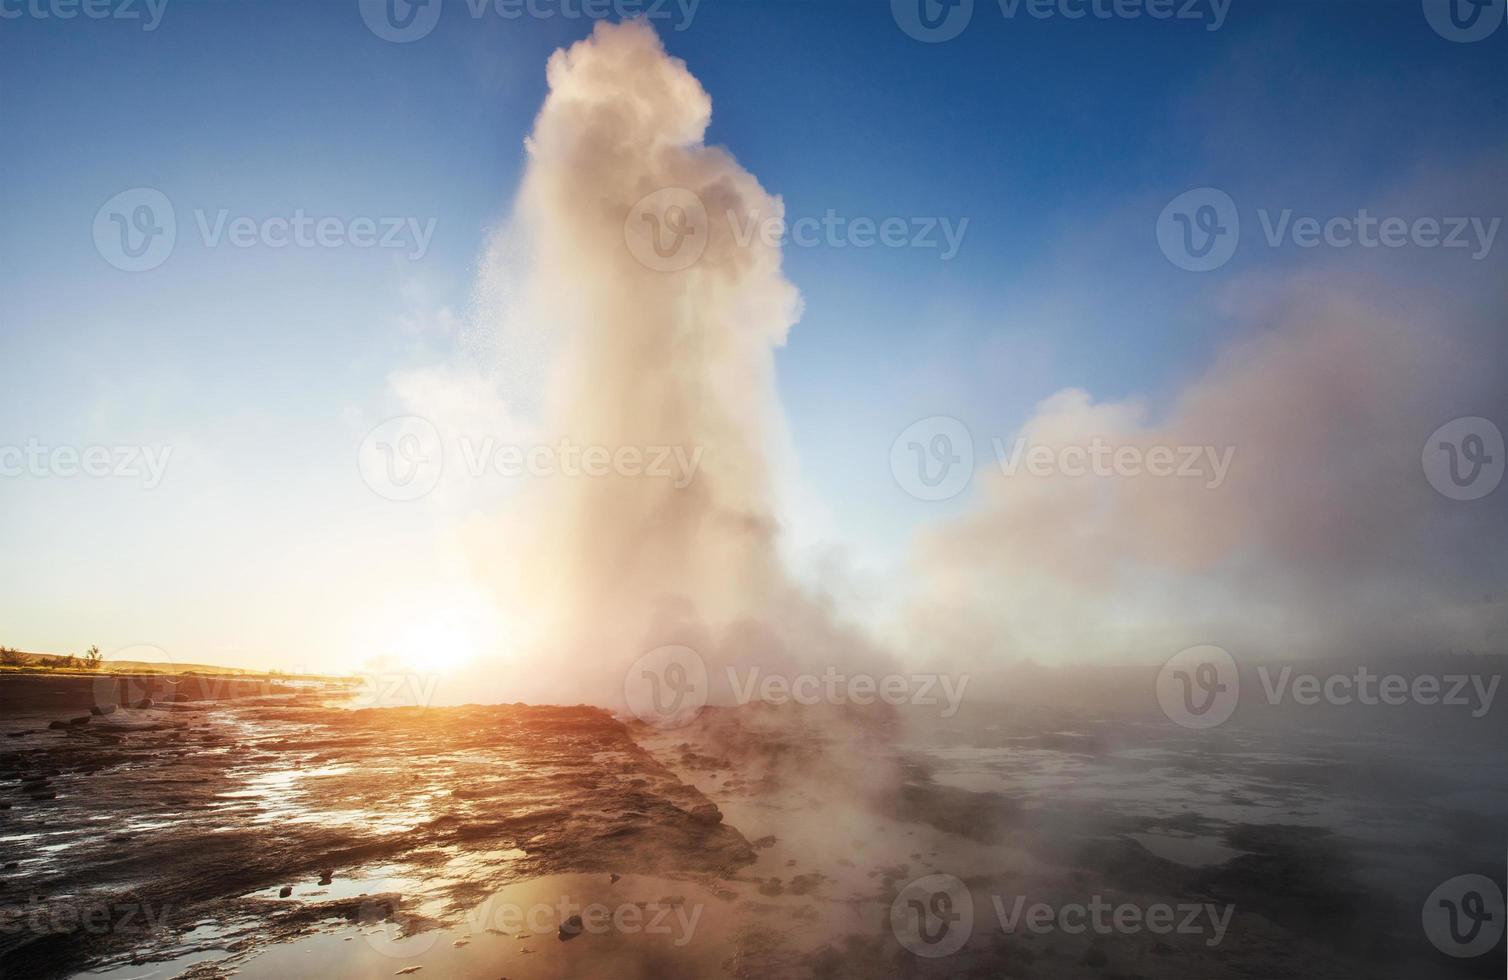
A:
(1012, 493)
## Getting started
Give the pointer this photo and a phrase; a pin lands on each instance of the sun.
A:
(437, 629)
(441, 642)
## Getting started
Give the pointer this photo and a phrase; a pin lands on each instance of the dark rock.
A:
(707, 813)
(570, 928)
(81, 720)
(144, 703)
(285, 891)
(57, 725)
(612, 878)
(102, 709)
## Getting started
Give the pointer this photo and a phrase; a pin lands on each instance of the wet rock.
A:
(807, 883)
(570, 928)
(707, 813)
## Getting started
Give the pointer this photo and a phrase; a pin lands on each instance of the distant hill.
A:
(57, 660)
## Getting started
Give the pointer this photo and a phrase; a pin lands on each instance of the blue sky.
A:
(1059, 140)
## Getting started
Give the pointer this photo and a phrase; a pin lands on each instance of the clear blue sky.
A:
(1059, 140)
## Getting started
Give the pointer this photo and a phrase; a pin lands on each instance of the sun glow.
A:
(432, 630)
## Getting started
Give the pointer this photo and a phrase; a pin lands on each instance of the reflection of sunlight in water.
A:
(513, 932)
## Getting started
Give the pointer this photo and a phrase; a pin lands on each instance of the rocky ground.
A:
(286, 836)
(123, 834)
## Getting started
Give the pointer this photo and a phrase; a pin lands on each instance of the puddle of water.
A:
(638, 928)
(1191, 851)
